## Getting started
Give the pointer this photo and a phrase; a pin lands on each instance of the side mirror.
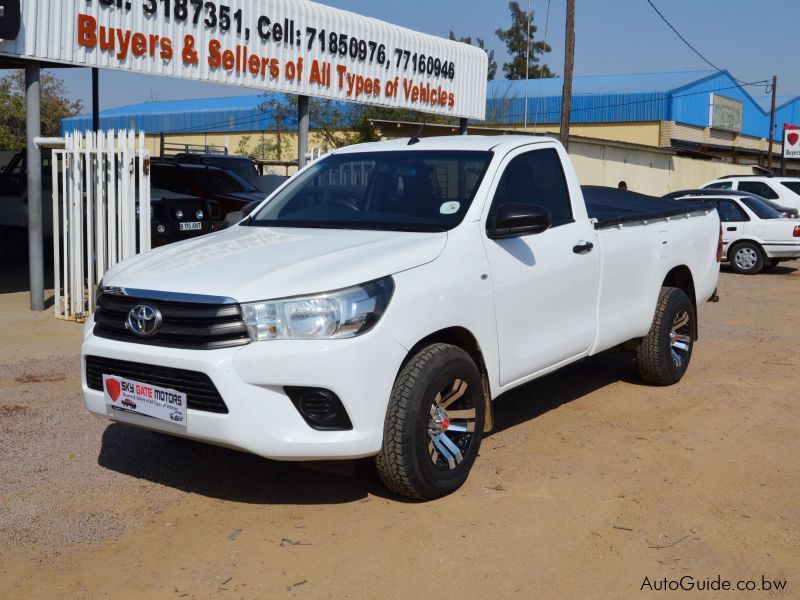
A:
(514, 219)
(233, 218)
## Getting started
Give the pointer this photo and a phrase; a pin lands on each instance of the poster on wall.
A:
(291, 46)
(725, 113)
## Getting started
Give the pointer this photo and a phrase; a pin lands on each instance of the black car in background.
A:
(240, 165)
(175, 216)
(227, 189)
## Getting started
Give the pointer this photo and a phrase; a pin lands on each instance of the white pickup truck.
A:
(377, 302)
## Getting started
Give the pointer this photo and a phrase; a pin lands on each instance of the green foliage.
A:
(265, 149)
(337, 123)
(492, 70)
(55, 106)
(516, 40)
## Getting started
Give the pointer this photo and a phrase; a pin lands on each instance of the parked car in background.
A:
(376, 303)
(14, 192)
(230, 191)
(783, 211)
(241, 165)
(175, 217)
(784, 191)
(754, 235)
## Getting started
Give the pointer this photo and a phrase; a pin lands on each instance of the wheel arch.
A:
(463, 338)
(681, 277)
(740, 241)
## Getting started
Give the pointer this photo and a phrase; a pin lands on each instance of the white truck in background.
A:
(377, 302)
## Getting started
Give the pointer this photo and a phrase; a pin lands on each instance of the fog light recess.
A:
(320, 408)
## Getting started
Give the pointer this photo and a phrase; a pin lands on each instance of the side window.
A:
(729, 211)
(759, 188)
(536, 177)
(719, 185)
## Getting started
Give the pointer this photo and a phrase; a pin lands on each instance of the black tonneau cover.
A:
(612, 206)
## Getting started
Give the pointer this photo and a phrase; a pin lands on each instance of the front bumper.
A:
(251, 380)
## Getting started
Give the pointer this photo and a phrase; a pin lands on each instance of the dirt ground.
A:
(591, 483)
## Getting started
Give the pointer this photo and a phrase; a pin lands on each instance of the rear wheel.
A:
(433, 425)
(747, 258)
(664, 354)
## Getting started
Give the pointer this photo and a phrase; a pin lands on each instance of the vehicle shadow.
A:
(226, 474)
(781, 269)
(538, 397)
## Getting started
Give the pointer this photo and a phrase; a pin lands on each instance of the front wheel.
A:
(433, 425)
(664, 353)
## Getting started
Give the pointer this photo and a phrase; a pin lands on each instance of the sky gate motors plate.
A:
(144, 399)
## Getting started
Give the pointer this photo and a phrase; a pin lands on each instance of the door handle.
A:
(583, 248)
(731, 228)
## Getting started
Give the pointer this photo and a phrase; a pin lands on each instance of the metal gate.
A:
(101, 212)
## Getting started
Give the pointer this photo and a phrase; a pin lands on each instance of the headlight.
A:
(333, 315)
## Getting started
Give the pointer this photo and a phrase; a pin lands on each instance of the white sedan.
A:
(754, 235)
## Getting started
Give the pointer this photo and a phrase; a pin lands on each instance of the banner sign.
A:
(725, 113)
(791, 141)
(291, 46)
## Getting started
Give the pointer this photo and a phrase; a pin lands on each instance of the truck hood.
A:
(258, 263)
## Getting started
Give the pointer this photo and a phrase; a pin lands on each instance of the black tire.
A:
(746, 258)
(664, 354)
(409, 463)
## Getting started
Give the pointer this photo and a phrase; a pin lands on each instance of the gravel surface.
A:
(591, 482)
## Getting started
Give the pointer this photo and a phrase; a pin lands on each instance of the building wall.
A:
(645, 171)
(646, 134)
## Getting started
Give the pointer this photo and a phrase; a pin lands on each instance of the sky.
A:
(749, 38)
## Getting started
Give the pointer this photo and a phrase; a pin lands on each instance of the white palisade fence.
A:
(101, 212)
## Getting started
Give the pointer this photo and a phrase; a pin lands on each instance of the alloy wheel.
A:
(451, 425)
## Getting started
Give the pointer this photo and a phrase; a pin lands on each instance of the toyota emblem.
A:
(144, 320)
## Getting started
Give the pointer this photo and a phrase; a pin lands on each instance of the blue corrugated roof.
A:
(626, 83)
(681, 96)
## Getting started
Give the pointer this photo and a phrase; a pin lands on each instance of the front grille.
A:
(201, 394)
(188, 325)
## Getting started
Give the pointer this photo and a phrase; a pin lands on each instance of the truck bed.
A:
(612, 206)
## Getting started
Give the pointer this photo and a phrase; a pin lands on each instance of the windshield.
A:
(792, 185)
(243, 167)
(762, 210)
(221, 182)
(406, 190)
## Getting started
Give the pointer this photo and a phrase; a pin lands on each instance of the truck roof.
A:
(449, 142)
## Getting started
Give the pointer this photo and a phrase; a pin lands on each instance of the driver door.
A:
(545, 284)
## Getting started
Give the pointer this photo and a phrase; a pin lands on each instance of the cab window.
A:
(536, 178)
(729, 211)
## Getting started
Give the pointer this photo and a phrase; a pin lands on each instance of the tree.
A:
(516, 40)
(492, 71)
(335, 123)
(55, 107)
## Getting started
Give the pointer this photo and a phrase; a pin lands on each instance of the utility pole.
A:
(772, 122)
(569, 63)
(527, 65)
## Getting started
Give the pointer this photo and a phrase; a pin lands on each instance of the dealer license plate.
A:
(160, 403)
(195, 226)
